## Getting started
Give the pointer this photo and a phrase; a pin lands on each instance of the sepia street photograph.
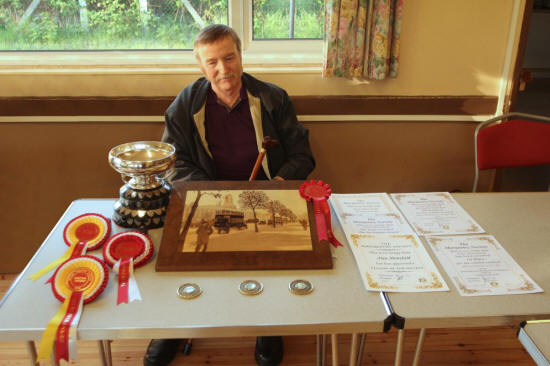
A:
(245, 220)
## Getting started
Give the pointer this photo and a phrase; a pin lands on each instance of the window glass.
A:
(288, 19)
(105, 24)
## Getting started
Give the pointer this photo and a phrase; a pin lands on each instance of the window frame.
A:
(298, 53)
(283, 49)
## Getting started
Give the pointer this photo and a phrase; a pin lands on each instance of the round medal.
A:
(86, 274)
(300, 287)
(251, 287)
(91, 228)
(189, 291)
(128, 245)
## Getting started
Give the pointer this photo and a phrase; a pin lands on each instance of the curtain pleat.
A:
(362, 38)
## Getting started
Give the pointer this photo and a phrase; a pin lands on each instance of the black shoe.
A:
(268, 351)
(161, 352)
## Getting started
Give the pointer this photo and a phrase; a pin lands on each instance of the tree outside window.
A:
(47, 25)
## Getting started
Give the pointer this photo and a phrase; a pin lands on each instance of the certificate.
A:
(395, 262)
(436, 213)
(369, 213)
(479, 265)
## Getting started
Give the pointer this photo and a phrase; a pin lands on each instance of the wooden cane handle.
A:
(257, 165)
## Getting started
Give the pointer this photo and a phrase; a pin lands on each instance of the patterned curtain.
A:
(362, 38)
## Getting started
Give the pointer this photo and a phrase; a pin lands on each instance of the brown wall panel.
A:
(396, 105)
(45, 166)
(394, 156)
(304, 105)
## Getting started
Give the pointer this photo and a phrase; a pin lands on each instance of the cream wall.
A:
(448, 47)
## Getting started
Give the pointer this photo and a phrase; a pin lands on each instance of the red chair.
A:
(511, 140)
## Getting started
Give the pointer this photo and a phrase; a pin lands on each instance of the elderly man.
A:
(217, 125)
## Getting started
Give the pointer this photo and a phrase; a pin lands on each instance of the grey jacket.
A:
(272, 114)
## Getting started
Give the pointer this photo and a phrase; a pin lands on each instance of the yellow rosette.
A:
(76, 282)
(91, 228)
(85, 232)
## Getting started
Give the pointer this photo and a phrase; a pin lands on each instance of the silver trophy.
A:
(144, 197)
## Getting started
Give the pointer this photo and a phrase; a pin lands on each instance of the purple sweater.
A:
(231, 138)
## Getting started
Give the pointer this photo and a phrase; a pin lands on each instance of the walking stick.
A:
(267, 143)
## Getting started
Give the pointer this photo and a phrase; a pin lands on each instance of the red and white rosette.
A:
(76, 281)
(124, 252)
(318, 192)
(85, 232)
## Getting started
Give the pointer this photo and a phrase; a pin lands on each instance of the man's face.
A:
(221, 63)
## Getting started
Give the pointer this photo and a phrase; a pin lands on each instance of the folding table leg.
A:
(324, 350)
(319, 349)
(361, 348)
(102, 353)
(419, 345)
(105, 352)
(52, 359)
(107, 343)
(353, 350)
(334, 344)
(31, 349)
(399, 349)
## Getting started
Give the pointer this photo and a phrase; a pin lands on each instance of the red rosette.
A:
(315, 190)
(91, 228)
(86, 274)
(318, 192)
(128, 245)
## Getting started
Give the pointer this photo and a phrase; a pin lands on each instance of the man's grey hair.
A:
(214, 33)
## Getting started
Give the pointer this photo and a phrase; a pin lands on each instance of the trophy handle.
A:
(125, 178)
(168, 173)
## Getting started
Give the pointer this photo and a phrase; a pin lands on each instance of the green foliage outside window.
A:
(141, 24)
(272, 19)
(104, 24)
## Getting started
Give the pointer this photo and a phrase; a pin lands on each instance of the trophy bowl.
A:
(143, 165)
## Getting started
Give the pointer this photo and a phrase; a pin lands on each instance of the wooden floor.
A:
(469, 346)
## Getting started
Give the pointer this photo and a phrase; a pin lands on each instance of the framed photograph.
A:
(238, 225)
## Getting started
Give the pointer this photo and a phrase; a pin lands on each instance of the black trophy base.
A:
(142, 208)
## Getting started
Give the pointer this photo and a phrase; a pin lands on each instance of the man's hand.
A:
(278, 178)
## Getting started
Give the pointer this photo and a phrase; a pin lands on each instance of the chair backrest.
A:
(511, 140)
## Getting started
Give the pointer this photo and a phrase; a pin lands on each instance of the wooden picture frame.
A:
(171, 256)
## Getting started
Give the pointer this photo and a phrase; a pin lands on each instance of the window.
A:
(143, 24)
(287, 19)
(105, 24)
(151, 36)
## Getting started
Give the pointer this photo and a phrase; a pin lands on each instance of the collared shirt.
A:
(231, 137)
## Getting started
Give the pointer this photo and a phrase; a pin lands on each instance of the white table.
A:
(535, 337)
(338, 304)
(521, 223)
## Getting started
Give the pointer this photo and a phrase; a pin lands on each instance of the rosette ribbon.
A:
(128, 289)
(85, 232)
(75, 250)
(318, 192)
(76, 282)
(124, 252)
